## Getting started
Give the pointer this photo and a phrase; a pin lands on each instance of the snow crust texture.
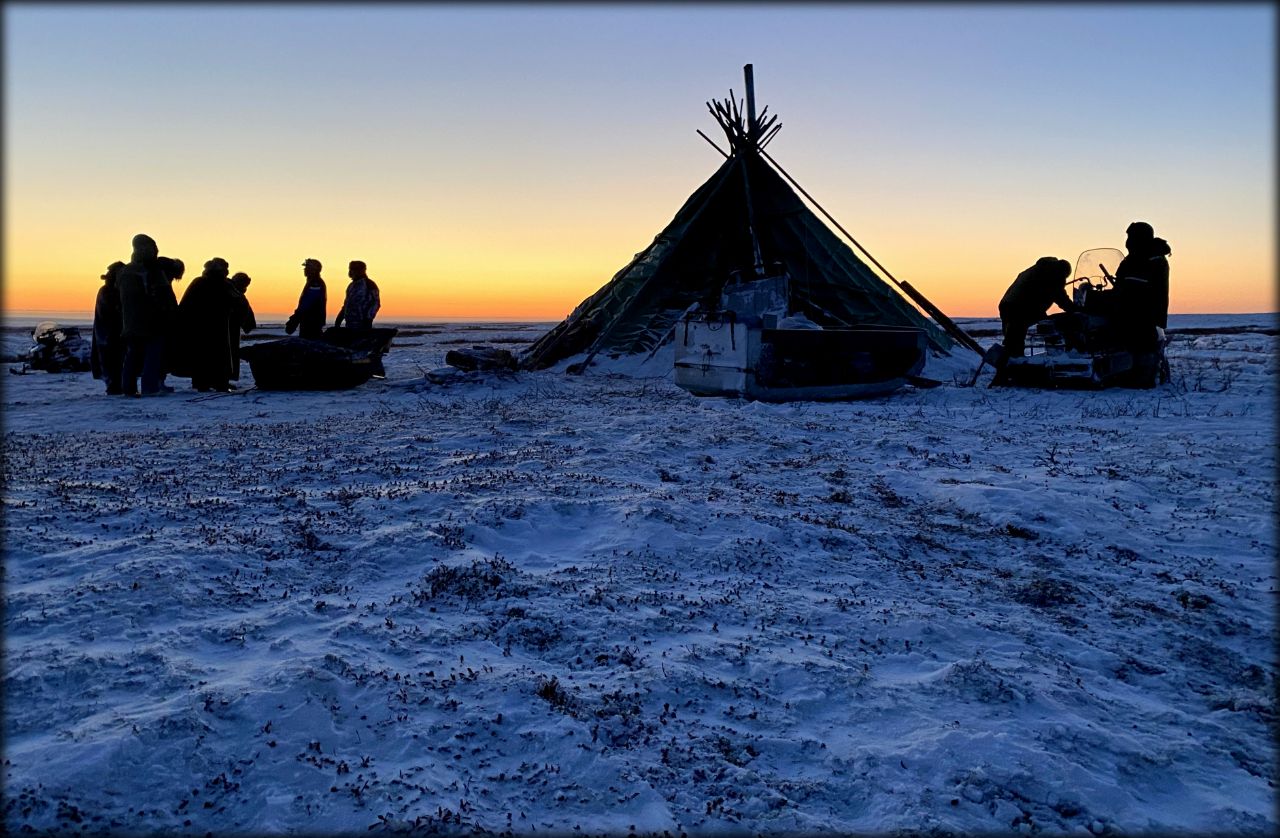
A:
(596, 604)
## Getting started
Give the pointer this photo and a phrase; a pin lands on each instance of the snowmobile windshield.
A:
(1095, 265)
(44, 331)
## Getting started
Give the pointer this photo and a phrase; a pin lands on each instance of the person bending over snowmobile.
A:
(1028, 299)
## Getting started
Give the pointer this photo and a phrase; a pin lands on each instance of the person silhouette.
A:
(1028, 299)
(1142, 277)
(142, 314)
(362, 301)
(206, 312)
(242, 319)
(107, 347)
(308, 318)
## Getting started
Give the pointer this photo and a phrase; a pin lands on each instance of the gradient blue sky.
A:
(506, 160)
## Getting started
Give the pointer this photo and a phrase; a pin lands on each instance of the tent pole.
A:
(713, 145)
(746, 183)
(751, 221)
(945, 322)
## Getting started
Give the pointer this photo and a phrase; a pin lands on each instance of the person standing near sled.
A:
(242, 319)
(360, 307)
(362, 301)
(308, 318)
(106, 353)
(173, 270)
(1028, 300)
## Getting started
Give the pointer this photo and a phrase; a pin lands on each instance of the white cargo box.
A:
(718, 355)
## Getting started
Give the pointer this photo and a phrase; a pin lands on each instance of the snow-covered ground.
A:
(597, 604)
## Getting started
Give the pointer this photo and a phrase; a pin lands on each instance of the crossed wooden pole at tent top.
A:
(750, 134)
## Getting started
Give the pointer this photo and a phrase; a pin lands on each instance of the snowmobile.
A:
(1092, 348)
(58, 349)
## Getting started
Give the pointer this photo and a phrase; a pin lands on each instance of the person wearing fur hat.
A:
(106, 353)
(308, 318)
(142, 319)
(205, 314)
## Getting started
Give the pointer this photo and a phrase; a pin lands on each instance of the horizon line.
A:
(269, 318)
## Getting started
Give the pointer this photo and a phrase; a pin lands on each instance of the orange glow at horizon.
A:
(534, 259)
(506, 288)
(536, 253)
(502, 297)
(515, 279)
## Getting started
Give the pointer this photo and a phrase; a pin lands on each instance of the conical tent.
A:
(709, 242)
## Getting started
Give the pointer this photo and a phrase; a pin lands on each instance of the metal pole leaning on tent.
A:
(945, 322)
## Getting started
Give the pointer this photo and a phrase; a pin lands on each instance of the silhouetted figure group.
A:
(358, 309)
(360, 305)
(1133, 307)
(141, 330)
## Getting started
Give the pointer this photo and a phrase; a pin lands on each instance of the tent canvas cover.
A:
(701, 250)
